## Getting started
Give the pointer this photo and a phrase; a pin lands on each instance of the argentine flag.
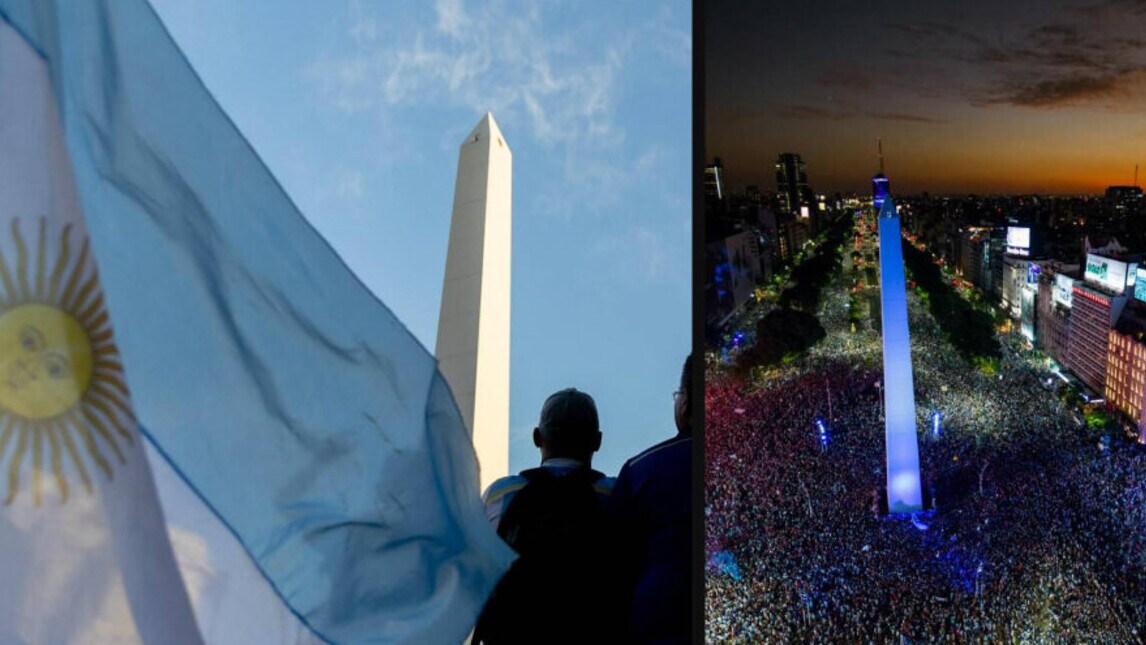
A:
(221, 435)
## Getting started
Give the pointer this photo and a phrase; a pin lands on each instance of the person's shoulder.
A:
(604, 485)
(502, 487)
(661, 450)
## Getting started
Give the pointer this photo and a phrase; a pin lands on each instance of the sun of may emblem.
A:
(63, 400)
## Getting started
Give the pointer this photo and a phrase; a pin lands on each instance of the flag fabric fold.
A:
(288, 402)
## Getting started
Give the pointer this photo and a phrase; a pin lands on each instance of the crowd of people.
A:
(1035, 531)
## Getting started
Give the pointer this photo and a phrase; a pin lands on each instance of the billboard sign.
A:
(1018, 240)
(1033, 272)
(1106, 273)
(1063, 287)
(1140, 284)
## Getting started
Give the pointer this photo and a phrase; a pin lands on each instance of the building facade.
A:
(1052, 322)
(714, 183)
(972, 259)
(1126, 374)
(1093, 313)
(1014, 279)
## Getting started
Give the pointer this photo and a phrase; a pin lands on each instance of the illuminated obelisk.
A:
(473, 324)
(904, 493)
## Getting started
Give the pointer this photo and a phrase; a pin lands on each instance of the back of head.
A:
(569, 426)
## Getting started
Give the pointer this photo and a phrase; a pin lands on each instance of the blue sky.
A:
(358, 108)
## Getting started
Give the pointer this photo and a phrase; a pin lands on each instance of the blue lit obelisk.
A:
(904, 493)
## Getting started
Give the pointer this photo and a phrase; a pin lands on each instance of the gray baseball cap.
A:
(569, 409)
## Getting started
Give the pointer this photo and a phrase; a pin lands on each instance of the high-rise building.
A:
(1028, 314)
(1054, 302)
(996, 251)
(973, 253)
(1014, 278)
(1125, 197)
(473, 324)
(792, 190)
(1126, 366)
(1097, 302)
(714, 183)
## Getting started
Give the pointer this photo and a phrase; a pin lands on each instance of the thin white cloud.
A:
(489, 56)
(557, 80)
(671, 42)
(363, 28)
(451, 17)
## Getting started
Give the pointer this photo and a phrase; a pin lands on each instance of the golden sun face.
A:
(45, 361)
(61, 382)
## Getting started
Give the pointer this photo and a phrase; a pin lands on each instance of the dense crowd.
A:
(1035, 531)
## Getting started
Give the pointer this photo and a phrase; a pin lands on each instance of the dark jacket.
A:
(651, 505)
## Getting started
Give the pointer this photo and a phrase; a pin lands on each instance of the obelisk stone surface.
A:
(473, 324)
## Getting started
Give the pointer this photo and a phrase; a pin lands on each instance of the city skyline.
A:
(977, 98)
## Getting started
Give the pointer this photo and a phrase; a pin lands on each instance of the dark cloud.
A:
(929, 35)
(1103, 91)
(1055, 64)
(898, 116)
(848, 112)
(810, 112)
(930, 30)
(1064, 91)
(1120, 7)
(1054, 57)
(848, 78)
(1056, 35)
(1059, 65)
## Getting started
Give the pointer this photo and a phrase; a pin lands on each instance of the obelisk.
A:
(473, 324)
(904, 493)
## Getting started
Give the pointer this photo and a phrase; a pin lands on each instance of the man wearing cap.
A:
(568, 434)
(553, 516)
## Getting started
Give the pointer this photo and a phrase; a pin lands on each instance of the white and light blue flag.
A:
(317, 481)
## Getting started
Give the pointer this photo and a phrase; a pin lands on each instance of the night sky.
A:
(983, 97)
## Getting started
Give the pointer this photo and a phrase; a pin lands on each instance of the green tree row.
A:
(970, 330)
(791, 329)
